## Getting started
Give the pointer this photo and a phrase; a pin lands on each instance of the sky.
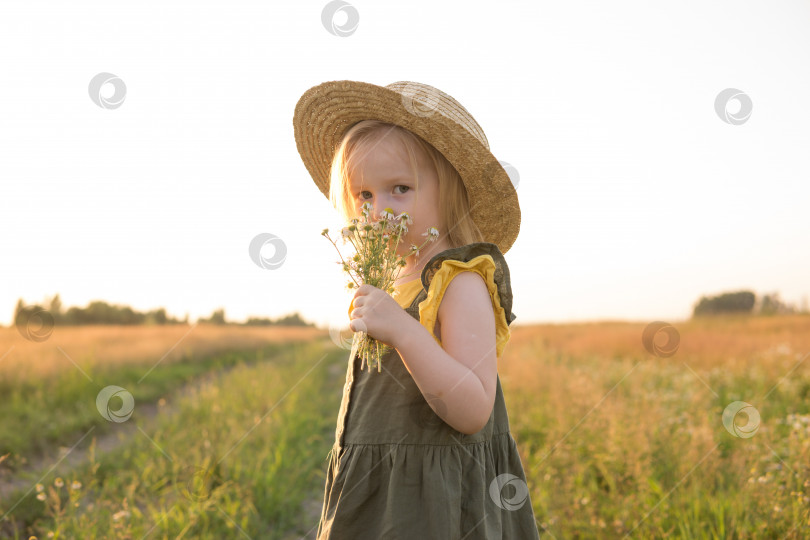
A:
(637, 196)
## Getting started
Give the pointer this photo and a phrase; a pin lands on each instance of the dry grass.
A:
(21, 359)
(615, 441)
(614, 437)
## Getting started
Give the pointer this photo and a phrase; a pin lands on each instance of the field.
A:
(230, 430)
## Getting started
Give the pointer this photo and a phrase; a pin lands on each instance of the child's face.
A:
(387, 181)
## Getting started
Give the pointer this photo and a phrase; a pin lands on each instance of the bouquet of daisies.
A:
(377, 263)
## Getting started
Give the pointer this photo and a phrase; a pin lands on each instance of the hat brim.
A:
(325, 112)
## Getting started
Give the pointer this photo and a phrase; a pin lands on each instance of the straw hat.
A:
(325, 112)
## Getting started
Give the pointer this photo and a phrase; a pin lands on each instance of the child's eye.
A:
(399, 185)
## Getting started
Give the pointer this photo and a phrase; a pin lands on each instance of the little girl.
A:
(422, 449)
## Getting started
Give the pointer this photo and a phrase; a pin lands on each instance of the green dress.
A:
(397, 471)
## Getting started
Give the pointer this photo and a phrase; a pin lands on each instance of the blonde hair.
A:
(457, 225)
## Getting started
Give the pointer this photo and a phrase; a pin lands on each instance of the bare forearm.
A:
(436, 372)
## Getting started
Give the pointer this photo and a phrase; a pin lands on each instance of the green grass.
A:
(608, 452)
(254, 475)
(39, 414)
(654, 460)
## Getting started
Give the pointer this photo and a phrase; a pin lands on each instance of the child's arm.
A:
(463, 373)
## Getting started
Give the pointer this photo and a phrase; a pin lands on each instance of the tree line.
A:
(744, 302)
(100, 312)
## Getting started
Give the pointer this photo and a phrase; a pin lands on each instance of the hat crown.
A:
(424, 100)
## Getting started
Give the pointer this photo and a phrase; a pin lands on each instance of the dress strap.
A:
(468, 252)
(483, 258)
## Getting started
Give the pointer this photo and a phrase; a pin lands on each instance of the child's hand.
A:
(376, 313)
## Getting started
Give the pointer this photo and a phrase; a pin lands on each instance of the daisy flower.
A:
(377, 263)
(405, 217)
(432, 233)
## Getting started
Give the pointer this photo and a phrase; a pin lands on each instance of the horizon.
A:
(799, 310)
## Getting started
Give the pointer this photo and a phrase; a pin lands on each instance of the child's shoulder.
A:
(467, 253)
(482, 257)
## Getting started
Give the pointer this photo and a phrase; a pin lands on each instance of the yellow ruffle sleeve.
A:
(484, 265)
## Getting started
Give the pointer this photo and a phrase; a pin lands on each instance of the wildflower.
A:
(404, 217)
(75, 485)
(40, 488)
(377, 263)
(432, 233)
(41, 496)
(122, 514)
(58, 482)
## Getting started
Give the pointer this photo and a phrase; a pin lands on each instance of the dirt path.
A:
(65, 460)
